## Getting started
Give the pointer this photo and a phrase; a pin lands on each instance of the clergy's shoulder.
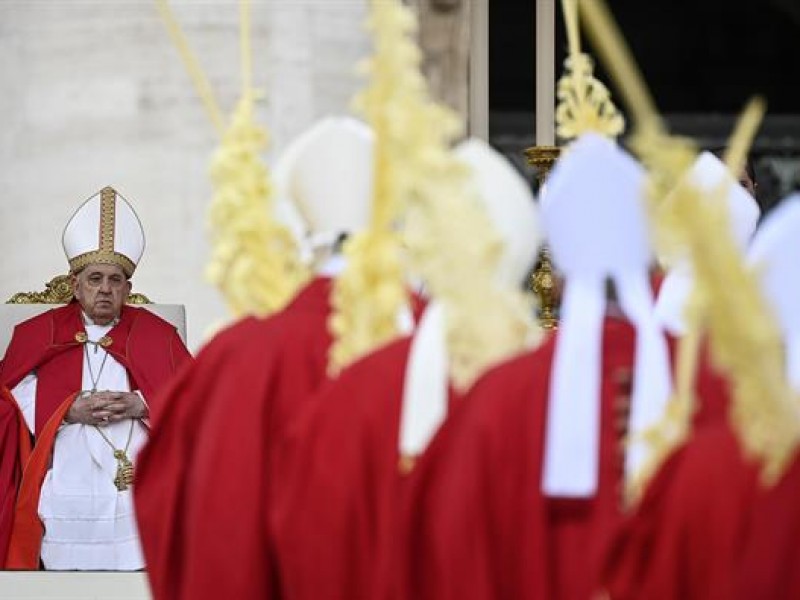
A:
(520, 373)
(708, 467)
(259, 334)
(232, 336)
(391, 358)
(297, 318)
(365, 398)
(378, 375)
(510, 399)
(257, 331)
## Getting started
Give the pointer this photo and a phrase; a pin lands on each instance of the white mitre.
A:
(594, 215)
(775, 254)
(708, 174)
(326, 174)
(508, 201)
(104, 230)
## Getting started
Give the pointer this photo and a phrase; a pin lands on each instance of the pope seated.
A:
(83, 378)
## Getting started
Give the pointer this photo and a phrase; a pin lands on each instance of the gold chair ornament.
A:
(59, 291)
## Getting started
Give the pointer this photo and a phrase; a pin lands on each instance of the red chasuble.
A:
(337, 515)
(148, 347)
(707, 529)
(204, 479)
(476, 522)
(340, 484)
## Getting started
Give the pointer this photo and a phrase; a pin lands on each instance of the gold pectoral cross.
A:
(124, 476)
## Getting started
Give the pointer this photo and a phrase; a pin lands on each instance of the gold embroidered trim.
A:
(107, 208)
(102, 257)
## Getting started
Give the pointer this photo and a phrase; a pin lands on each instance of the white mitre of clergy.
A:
(104, 230)
(326, 173)
(774, 255)
(509, 203)
(709, 175)
(594, 216)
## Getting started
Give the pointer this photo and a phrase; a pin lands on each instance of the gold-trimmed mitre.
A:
(106, 230)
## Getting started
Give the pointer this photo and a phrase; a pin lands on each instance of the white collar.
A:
(88, 322)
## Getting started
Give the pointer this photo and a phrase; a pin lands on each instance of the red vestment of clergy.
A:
(476, 521)
(148, 347)
(205, 478)
(337, 515)
(708, 529)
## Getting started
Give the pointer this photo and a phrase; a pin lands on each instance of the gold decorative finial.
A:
(544, 280)
(584, 102)
(544, 285)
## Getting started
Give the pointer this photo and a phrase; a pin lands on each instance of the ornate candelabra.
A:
(543, 280)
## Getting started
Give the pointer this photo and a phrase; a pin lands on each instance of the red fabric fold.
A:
(476, 524)
(205, 478)
(336, 510)
(26, 536)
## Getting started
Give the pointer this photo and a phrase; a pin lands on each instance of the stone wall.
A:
(94, 94)
(444, 37)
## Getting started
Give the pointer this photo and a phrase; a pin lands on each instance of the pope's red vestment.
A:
(476, 522)
(148, 347)
(204, 481)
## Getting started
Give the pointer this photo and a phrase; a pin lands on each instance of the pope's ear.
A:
(73, 282)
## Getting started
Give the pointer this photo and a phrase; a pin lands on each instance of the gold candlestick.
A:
(543, 280)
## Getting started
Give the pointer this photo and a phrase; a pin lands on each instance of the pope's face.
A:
(101, 291)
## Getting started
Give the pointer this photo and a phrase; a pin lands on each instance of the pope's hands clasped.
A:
(102, 408)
